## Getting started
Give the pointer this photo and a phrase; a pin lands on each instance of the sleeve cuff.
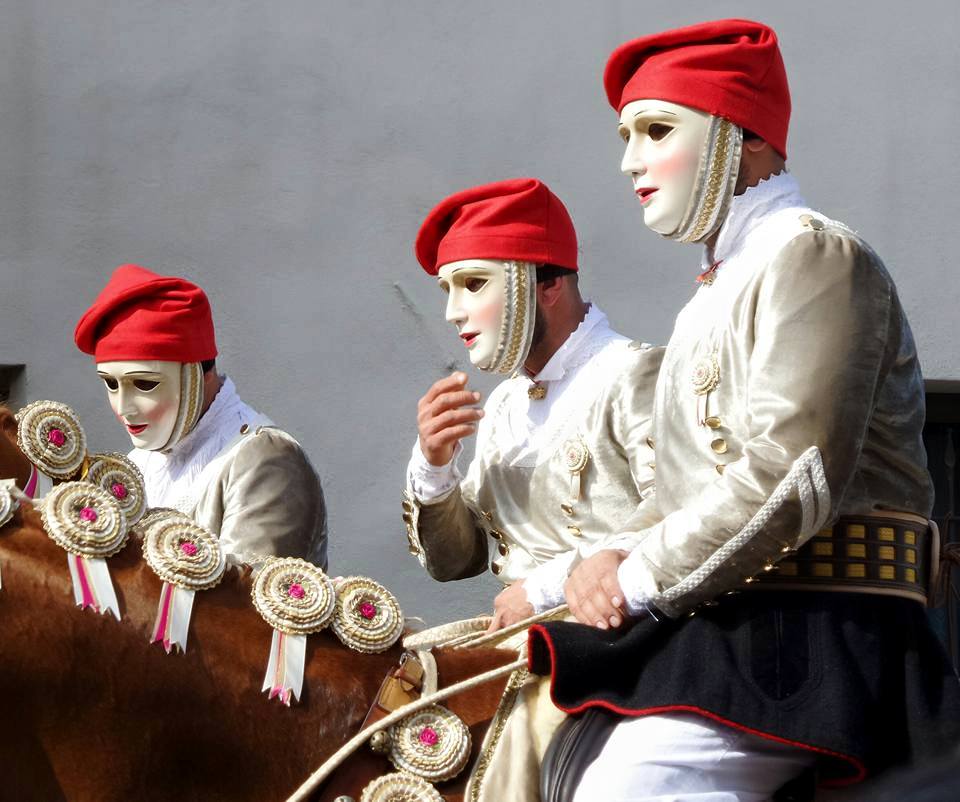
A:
(432, 482)
(638, 586)
(544, 584)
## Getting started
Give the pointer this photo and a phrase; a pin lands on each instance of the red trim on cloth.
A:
(861, 770)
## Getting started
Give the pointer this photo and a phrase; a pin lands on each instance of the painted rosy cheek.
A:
(486, 315)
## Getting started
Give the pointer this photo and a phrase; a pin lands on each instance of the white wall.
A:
(283, 155)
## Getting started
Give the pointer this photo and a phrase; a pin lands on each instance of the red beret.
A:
(515, 219)
(141, 315)
(729, 68)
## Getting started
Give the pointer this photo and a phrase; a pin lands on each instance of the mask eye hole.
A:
(145, 385)
(111, 383)
(658, 131)
(624, 133)
(475, 284)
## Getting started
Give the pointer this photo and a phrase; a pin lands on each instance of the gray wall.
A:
(282, 154)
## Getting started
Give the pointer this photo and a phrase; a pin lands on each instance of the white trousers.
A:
(676, 757)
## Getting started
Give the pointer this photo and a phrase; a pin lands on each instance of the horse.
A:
(93, 711)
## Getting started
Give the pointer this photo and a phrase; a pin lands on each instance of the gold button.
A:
(786, 550)
(721, 468)
(805, 219)
(650, 442)
(652, 466)
(413, 550)
(487, 515)
(407, 505)
(719, 446)
(567, 509)
(713, 422)
(503, 548)
(748, 580)
(495, 567)
(575, 531)
(496, 534)
(769, 567)
(815, 224)
(244, 429)
(407, 517)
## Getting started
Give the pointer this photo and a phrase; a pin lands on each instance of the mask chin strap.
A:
(715, 184)
(191, 403)
(519, 316)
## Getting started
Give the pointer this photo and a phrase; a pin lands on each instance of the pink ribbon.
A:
(88, 599)
(31, 487)
(161, 630)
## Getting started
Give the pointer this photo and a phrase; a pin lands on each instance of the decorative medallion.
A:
(51, 437)
(433, 744)
(87, 522)
(706, 374)
(182, 552)
(84, 519)
(400, 787)
(116, 474)
(187, 558)
(537, 391)
(296, 598)
(575, 455)
(368, 616)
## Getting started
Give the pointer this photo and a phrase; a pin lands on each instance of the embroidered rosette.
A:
(89, 525)
(51, 437)
(295, 598)
(400, 787)
(576, 455)
(705, 379)
(84, 519)
(433, 744)
(181, 552)
(116, 474)
(187, 558)
(706, 374)
(367, 617)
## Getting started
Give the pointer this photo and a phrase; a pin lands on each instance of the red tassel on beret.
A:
(142, 315)
(729, 68)
(518, 219)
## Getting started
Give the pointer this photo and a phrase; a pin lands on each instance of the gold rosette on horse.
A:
(50, 435)
(187, 558)
(296, 598)
(400, 787)
(89, 525)
(117, 474)
(367, 617)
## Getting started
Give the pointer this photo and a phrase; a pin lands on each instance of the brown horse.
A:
(92, 711)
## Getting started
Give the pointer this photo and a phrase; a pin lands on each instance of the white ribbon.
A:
(285, 668)
(173, 617)
(91, 584)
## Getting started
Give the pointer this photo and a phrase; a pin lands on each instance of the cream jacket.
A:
(799, 343)
(537, 490)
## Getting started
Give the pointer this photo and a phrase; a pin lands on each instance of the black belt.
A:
(892, 554)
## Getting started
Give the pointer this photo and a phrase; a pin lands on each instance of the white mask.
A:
(158, 402)
(493, 305)
(683, 163)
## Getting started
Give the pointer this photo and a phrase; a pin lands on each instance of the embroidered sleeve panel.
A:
(446, 537)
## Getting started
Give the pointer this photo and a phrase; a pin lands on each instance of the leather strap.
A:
(401, 686)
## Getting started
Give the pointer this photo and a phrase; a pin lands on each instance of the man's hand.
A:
(593, 591)
(510, 606)
(444, 417)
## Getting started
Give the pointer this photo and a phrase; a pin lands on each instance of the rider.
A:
(779, 592)
(200, 448)
(563, 451)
